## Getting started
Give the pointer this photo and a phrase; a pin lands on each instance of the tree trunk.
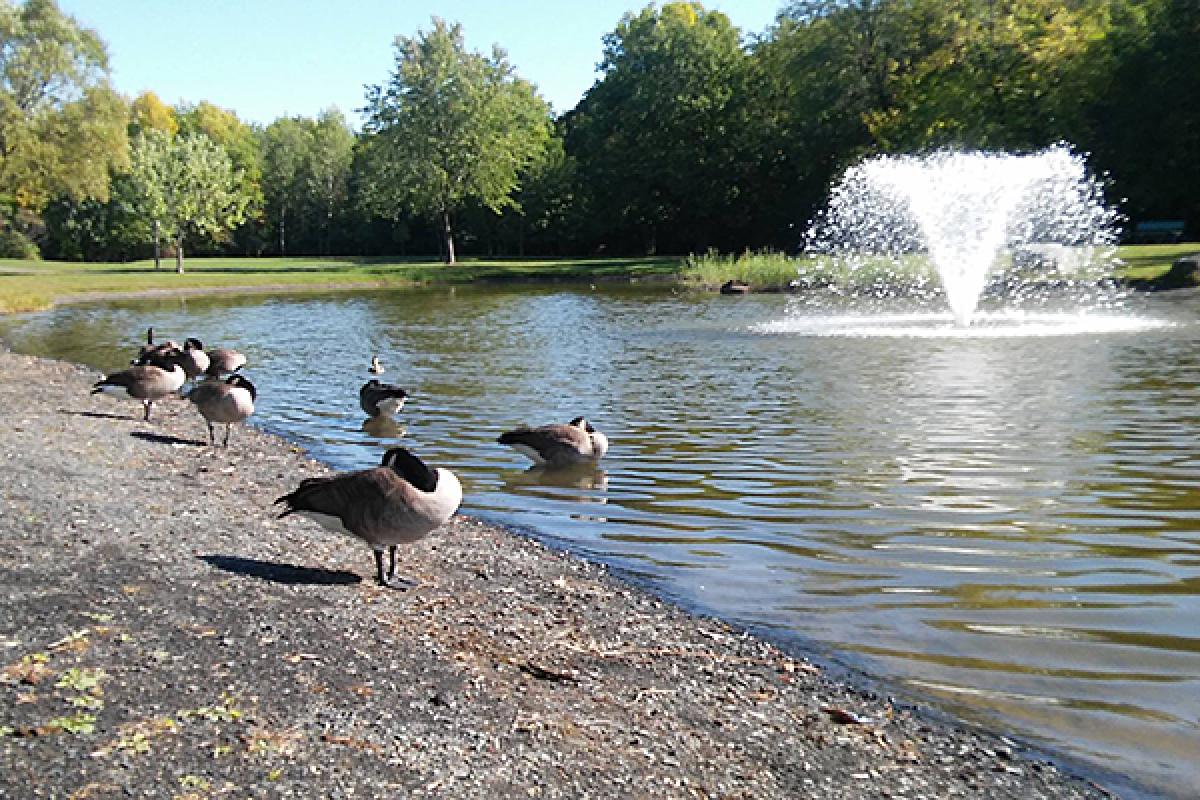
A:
(448, 236)
(157, 246)
(283, 231)
(179, 254)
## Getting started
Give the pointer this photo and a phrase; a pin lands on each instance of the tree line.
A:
(694, 135)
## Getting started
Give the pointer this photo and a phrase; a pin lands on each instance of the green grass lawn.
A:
(31, 285)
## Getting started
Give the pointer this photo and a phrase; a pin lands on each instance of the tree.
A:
(188, 186)
(1145, 133)
(284, 148)
(150, 113)
(447, 128)
(306, 174)
(242, 143)
(61, 125)
(328, 171)
(656, 136)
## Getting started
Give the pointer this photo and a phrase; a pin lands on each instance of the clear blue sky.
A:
(265, 59)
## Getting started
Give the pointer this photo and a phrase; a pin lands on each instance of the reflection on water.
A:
(1006, 522)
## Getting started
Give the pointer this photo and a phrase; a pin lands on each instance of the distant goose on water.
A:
(558, 445)
(376, 367)
(228, 401)
(381, 399)
(396, 503)
(146, 382)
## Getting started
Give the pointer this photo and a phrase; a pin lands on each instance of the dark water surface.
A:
(1006, 519)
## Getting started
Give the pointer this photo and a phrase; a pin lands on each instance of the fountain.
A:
(950, 220)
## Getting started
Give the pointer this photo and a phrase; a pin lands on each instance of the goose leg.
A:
(389, 580)
(146, 404)
(212, 437)
(228, 427)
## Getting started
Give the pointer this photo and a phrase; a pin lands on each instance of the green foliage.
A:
(449, 127)
(15, 244)
(61, 126)
(656, 139)
(763, 270)
(188, 185)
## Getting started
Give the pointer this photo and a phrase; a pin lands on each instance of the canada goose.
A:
(376, 367)
(558, 445)
(223, 361)
(395, 503)
(381, 399)
(151, 350)
(146, 382)
(195, 361)
(228, 401)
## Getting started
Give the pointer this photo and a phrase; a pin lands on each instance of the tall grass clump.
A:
(762, 270)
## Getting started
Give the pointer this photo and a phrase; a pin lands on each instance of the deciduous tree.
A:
(450, 126)
(188, 186)
(62, 127)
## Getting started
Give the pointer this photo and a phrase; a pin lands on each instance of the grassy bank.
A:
(31, 285)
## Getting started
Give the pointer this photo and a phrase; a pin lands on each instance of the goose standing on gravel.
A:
(223, 361)
(228, 401)
(396, 503)
(381, 399)
(558, 445)
(195, 361)
(148, 382)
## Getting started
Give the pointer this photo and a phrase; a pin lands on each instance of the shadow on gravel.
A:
(282, 573)
(97, 414)
(163, 438)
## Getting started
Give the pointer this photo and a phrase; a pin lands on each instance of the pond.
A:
(1005, 520)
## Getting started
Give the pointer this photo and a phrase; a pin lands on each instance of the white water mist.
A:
(970, 214)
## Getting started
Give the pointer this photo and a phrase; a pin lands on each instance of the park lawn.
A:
(1149, 261)
(33, 285)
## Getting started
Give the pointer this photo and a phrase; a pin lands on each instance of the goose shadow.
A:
(165, 438)
(97, 414)
(282, 573)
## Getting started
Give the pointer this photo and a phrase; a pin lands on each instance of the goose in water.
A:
(381, 399)
(558, 445)
(396, 503)
(376, 367)
(160, 377)
(228, 401)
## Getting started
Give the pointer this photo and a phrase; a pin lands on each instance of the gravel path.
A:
(162, 634)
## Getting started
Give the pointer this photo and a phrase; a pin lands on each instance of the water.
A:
(970, 214)
(1005, 517)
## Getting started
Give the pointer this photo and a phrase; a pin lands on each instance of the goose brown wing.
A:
(350, 496)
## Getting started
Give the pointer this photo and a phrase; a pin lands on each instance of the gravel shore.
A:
(162, 634)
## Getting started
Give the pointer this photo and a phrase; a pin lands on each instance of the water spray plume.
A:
(970, 214)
